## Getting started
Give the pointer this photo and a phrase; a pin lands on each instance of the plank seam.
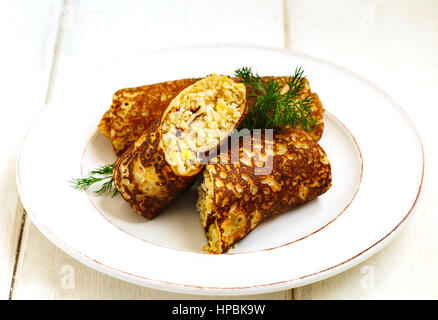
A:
(286, 24)
(17, 254)
(287, 46)
(56, 50)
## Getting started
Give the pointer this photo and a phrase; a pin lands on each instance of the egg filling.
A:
(205, 206)
(200, 117)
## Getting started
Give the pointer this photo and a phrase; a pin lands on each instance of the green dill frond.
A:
(101, 174)
(273, 106)
(103, 170)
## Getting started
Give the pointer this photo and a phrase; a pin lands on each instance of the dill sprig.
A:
(276, 103)
(101, 174)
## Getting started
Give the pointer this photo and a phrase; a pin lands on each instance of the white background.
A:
(47, 45)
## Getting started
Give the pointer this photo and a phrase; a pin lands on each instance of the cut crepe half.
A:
(234, 197)
(167, 158)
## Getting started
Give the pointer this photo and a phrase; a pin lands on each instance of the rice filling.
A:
(200, 119)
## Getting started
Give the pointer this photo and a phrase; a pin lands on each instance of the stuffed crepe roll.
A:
(166, 159)
(233, 198)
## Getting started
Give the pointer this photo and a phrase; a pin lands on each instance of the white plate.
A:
(377, 167)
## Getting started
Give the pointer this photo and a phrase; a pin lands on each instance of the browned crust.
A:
(148, 152)
(242, 199)
(134, 110)
(317, 112)
(104, 125)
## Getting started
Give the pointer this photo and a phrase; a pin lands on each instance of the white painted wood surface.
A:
(52, 44)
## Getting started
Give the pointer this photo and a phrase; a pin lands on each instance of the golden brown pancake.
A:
(234, 198)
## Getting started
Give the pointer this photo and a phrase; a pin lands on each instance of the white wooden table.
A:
(45, 45)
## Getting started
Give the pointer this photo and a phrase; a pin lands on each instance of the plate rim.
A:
(242, 290)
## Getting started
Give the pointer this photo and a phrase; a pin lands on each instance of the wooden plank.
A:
(393, 43)
(27, 47)
(94, 32)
